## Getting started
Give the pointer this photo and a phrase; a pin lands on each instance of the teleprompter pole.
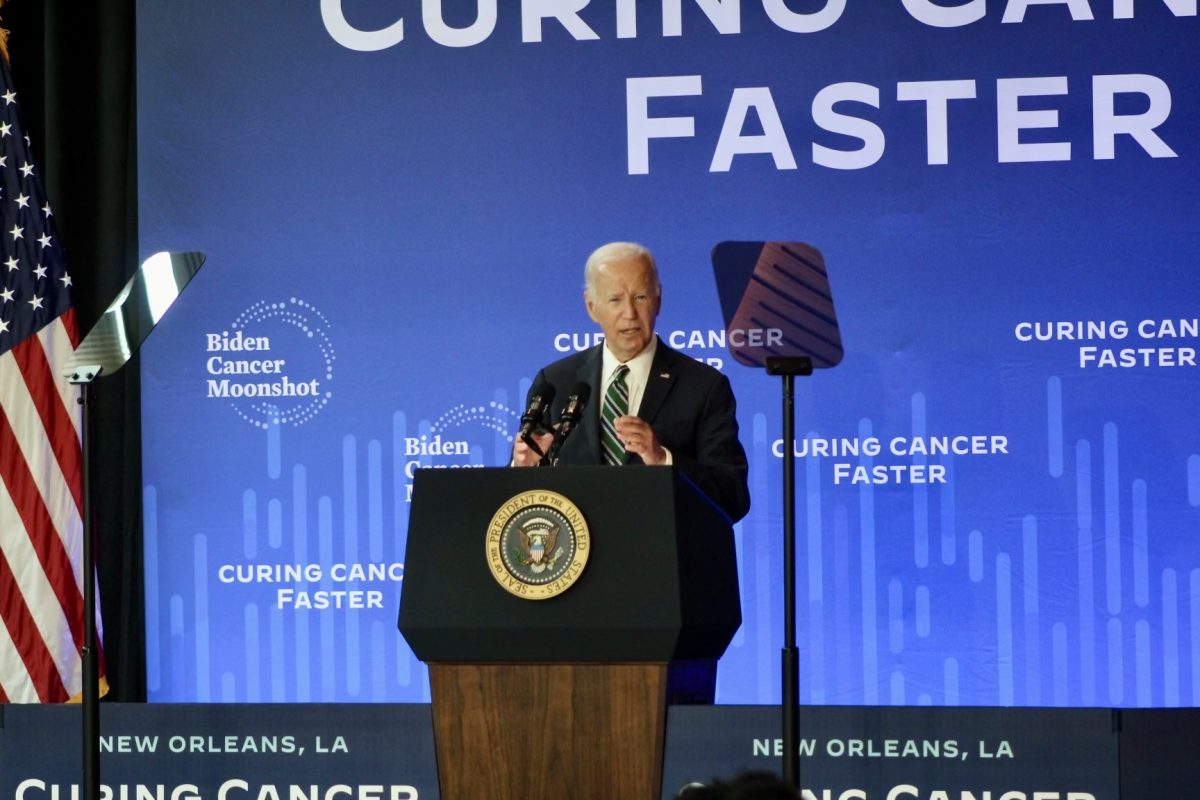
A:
(108, 346)
(83, 377)
(789, 368)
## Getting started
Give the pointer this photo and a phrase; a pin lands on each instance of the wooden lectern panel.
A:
(549, 731)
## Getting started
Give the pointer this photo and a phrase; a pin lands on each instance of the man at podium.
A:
(648, 404)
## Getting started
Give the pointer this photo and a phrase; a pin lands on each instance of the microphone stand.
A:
(571, 416)
(551, 457)
(789, 367)
(533, 445)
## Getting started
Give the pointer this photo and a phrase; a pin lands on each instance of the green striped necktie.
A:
(616, 404)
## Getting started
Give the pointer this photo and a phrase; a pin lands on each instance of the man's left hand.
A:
(638, 437)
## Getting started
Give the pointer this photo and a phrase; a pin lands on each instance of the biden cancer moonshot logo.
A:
(274, 363)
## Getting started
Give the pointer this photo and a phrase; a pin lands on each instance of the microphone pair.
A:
(537, 413)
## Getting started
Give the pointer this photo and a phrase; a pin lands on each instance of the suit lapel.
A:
(658, 382)
(589, 373)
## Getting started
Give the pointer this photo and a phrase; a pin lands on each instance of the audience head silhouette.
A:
(746, 786)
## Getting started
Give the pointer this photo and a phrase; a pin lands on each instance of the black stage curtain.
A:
(73, 65)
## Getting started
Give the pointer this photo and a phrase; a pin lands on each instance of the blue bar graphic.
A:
(870, 646)
(975, 556)
(1030, 589)
(278, 658)
(1141, 546)
(153, 598)
(1112, 520)
(253, 659)
(920, 493)
(949, 531)
(950, 679)
(895, 615)
(1004, 630)
(300, 553)
(1194, 615)
(1059, 654)
(1086, 558)
(200, 618)
(249, 524)
(1142, 661)
(1054, 426)
(274, 523)
(922, 617)
(375, 501)
(327, 635)
(1116, 664)
(1170, 635)
(274, 448)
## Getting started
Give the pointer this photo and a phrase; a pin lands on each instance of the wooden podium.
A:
(566, 697)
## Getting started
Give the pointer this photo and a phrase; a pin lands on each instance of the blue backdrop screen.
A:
(999, 484)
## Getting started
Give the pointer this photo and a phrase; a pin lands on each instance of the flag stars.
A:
(22, 200)
(5, 129)
(66, 280)
(36, 303)
(17, 232)
(12, 263)
(44, 240)
(6, 296)
(3, 326)
(46, 210)
(10, 97)
(26, 169)
(40, 271)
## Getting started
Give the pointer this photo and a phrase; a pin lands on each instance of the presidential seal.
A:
(537, 545)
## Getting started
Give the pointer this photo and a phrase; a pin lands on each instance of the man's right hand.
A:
(524, 455)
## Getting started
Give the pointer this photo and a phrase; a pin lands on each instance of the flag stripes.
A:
(42, 680)
(41, 460)
(62, 435)
(41, 601)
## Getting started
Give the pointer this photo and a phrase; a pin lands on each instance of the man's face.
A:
(624, 303)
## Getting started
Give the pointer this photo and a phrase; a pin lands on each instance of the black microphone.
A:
(535, 414)
(572, 413)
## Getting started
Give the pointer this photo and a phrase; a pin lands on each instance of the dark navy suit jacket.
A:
(689, 405)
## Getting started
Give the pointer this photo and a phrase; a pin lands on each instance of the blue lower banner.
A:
(385, 752)
(912, 753)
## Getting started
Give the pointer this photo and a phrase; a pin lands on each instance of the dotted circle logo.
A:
(274, 364)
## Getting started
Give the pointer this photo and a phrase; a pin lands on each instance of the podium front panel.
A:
(660, 582)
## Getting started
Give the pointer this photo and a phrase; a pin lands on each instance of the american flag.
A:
(41, 528)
